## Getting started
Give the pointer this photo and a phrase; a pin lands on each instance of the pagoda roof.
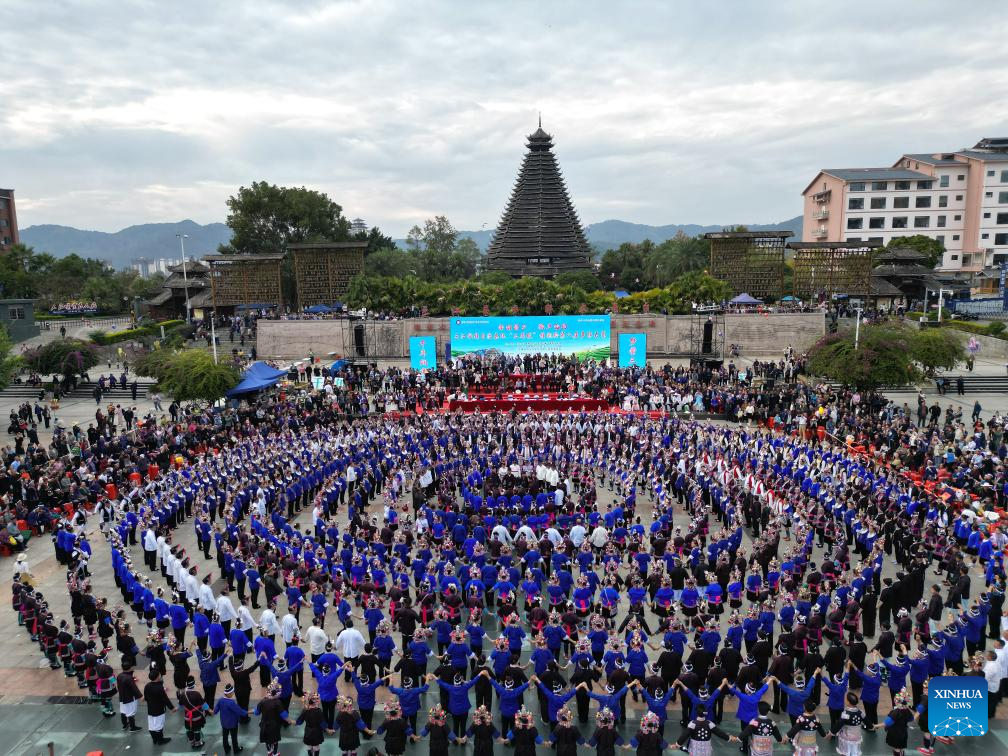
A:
(539, 233)
(901, 255)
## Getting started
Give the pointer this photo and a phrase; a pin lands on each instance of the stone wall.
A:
(758, 335)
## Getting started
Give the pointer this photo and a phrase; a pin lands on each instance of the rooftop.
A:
(938, 158)
(877, 174)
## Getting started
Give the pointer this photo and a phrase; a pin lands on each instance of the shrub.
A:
(996, 328)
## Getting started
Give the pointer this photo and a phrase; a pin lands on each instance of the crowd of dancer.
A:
(491, 568)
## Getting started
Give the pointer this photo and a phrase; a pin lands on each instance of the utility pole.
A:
(185, 277)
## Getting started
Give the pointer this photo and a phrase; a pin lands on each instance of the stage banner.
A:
(584, 336)
(423, 352)
(632, 349)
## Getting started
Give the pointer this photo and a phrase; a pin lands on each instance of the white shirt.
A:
(269, 623)
(206, 598)
(225, 609)
(245, 619)
(192, 587)
(599, 537)
(317, 639)
(150, 540)
(289, 627)
(578, 534)
(350, 643)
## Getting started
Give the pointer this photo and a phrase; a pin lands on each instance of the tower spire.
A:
(540, 119)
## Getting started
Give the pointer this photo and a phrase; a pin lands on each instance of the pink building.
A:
(959, 198)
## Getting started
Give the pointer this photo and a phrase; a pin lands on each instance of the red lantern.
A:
(486, 310)
(514, 309)
(549, 308)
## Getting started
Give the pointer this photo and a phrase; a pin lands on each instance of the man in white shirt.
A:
(599, 537)
(268, 622)
(150, 548)
(246, 622)
(349, 644)
(163, 550)
(578, 534)
(207, 600)
(225, 610)
(192, 586)
(317, 640)
(500, 533)
(289, 627)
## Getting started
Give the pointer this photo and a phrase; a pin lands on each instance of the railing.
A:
(821, 215)
(821, 231)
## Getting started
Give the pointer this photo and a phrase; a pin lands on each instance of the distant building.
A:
(170, 302)
(959, 198)
(18, 317)
(358, 226)
(8, 220)
(146, 268)
(540, 233)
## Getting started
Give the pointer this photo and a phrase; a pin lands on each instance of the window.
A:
(878, 203)
(943, 181)
(958, 198)
(876, 223)
(900, 222)
(984, 236)
(924, 184)
(960, 177)
(986, 215)
(922, 221)
(1002, 218)
(988, 194)
(900, 203)
(955, 237)
(990, 173)
(955, 257)
(875, 238)
(1004, 177)
(4, 223)
(1001, 239)
(857, 186)
(943, 201)
(922, 202)
(902, 185)
(940, 239)
(1003, 198)
(941, 221)
(539, 260)
(854, 223)
(957, 217)
(855, 203)
(853, 238)
(881, 186)
(15, 313)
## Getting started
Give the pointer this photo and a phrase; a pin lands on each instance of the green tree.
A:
(9, 365)
(376, 241)
(581, 279)
(934, 348)
(388, 262)
(932, 248)
(192, 376)
(265, 218)
(883, 358)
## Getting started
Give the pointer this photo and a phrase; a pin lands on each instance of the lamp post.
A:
(185, 277)
(857, 329)
(941, 299)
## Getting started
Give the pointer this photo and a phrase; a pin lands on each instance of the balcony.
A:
(821, 214)
(821, 232)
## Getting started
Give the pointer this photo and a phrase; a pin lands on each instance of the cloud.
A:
(123, 113)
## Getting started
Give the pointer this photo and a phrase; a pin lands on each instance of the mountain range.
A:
(157, 240)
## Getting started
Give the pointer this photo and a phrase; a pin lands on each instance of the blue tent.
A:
(258, 376)
(620, 293)
(319, 309)
(337, 366)
(745, 299)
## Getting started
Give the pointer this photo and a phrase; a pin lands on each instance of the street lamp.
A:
(857, 329)
(942, 299)
(185, 277)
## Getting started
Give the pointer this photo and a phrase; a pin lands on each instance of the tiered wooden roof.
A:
(540, 233)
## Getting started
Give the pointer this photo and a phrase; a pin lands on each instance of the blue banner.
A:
(423, 352)
(584, 336)
(632, 349)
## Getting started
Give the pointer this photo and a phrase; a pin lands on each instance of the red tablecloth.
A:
(536, 405)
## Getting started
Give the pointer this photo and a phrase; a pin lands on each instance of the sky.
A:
(118, 113)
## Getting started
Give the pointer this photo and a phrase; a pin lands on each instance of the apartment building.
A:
(8, 220)
(959, 198)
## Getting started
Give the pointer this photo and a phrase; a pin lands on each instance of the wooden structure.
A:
(822, 269)
(540, 233)
(749, 261)
(246, 280)
(323, 270)
(170, 301)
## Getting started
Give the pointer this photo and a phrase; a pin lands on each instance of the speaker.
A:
(708, 337)
(358, 338)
